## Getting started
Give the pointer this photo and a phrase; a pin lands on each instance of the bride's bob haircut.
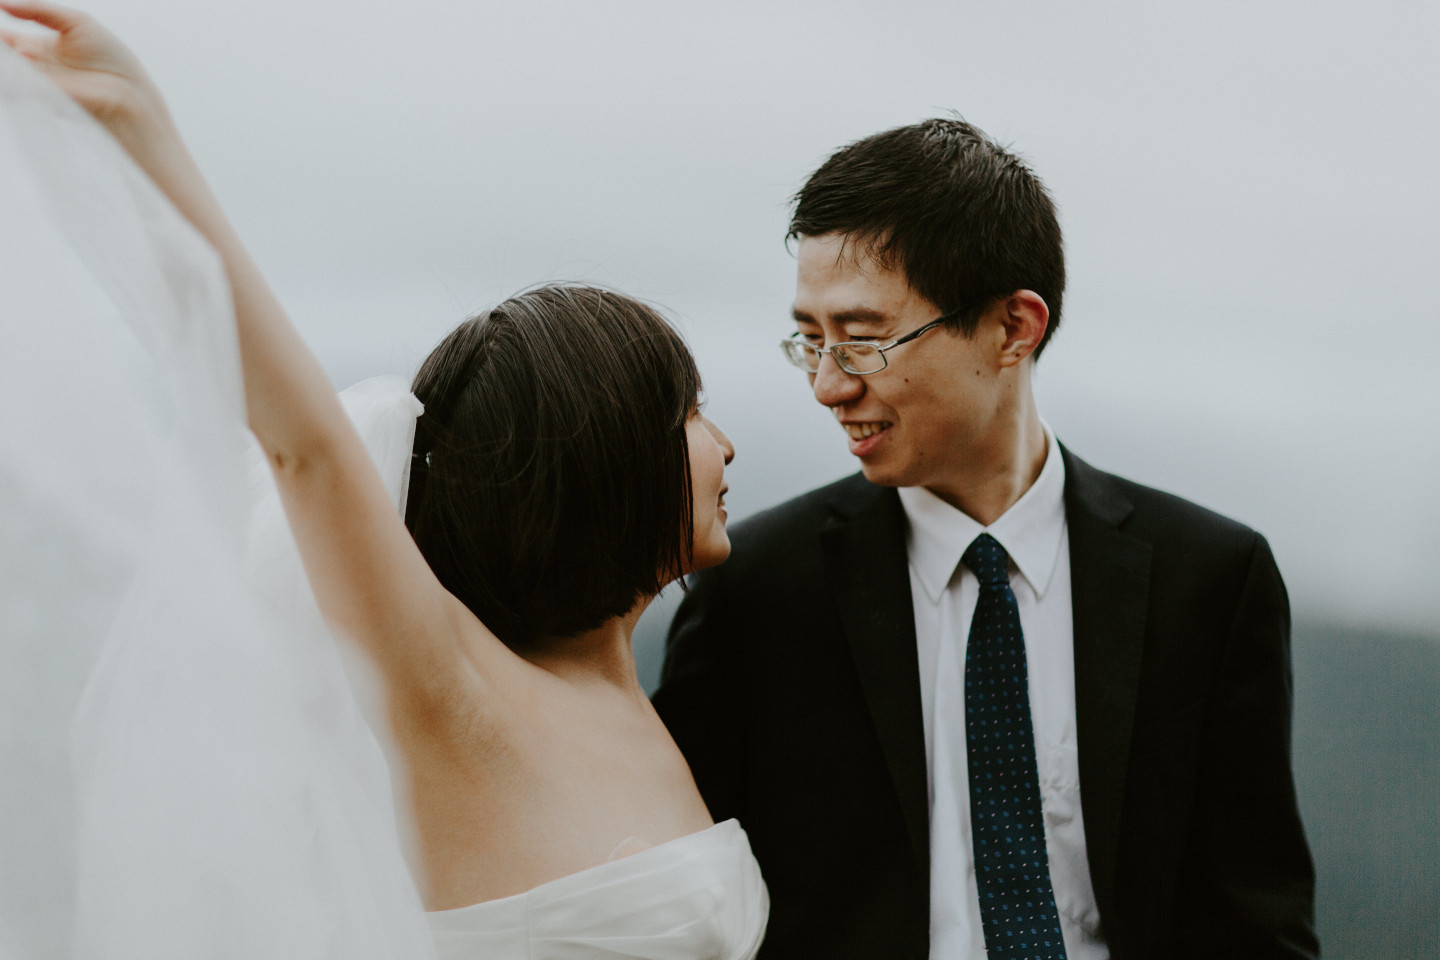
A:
(550, 487)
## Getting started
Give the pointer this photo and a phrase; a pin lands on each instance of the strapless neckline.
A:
(696, 897)
(590, 875)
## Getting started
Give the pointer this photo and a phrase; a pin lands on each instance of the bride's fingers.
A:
(81, 43)
(88, 63)
(51, 15)
(26, 44)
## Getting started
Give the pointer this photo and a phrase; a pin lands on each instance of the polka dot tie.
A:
(1012, 870)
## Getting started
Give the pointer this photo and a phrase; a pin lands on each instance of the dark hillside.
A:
(1367, 765)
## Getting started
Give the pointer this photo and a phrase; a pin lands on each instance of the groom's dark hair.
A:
(963, 218)
(550, 486)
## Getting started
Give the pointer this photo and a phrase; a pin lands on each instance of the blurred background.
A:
(1250, 199)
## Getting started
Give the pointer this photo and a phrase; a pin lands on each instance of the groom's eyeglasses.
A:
(854, 356)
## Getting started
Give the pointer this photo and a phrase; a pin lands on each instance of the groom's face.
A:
(925, 417)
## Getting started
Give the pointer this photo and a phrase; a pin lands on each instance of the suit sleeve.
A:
(700, 693)
(1253, 892)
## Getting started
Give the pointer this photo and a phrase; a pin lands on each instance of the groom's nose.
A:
(834, 387)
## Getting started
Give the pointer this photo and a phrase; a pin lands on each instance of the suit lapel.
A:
(1110, 584)
(868, 573)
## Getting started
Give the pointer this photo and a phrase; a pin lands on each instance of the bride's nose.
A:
(721, 440)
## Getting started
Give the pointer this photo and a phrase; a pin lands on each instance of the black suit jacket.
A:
(792, 686)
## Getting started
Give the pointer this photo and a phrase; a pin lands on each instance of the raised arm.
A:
(368, 577)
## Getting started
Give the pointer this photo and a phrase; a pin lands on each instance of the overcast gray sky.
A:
(1249, 193)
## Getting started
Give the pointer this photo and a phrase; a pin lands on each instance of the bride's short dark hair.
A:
(550, 488)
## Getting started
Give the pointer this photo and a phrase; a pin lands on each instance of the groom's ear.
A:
(1024, 317)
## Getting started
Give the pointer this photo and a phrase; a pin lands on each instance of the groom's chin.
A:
(882, 474)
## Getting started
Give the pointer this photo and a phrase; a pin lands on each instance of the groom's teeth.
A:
(859, 431)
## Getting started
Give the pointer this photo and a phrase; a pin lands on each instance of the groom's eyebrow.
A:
(860, 315)
(854, 315)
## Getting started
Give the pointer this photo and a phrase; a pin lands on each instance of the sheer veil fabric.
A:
(185, 771)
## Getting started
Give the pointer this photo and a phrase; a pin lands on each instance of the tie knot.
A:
(986, 559)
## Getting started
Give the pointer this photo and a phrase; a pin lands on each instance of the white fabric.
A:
(699, 897)
(944, 592)
(223, 797)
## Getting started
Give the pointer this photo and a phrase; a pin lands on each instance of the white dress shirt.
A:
(1034, 533)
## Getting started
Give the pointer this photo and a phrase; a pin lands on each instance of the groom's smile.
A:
(865, 436)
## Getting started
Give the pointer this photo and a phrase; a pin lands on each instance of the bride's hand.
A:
(94, 68)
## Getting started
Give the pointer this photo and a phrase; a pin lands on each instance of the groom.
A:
(983, 699)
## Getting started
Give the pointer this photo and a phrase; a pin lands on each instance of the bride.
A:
(561, 474)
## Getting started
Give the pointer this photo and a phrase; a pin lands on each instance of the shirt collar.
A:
(1031, 531)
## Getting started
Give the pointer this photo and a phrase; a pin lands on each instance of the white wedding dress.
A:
(697, 896)
(186, 770)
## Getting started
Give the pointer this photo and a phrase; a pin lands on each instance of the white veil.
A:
(184, 770)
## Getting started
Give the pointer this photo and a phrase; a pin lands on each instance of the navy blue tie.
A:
(1012, 870)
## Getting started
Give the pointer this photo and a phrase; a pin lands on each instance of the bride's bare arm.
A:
(370, 580)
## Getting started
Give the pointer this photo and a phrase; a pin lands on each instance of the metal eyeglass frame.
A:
(789, 344)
